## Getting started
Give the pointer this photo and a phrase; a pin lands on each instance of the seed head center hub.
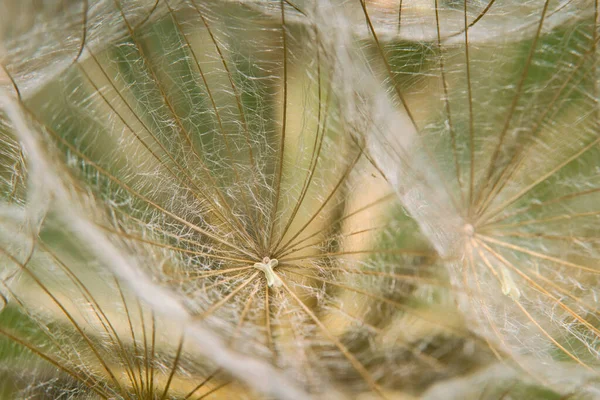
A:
(266, 266)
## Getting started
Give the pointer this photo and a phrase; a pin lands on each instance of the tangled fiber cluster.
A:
(299, 199)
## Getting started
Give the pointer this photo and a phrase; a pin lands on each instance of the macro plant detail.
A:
(521, 175)
(514, 140)
(79, 344)
(309, 199)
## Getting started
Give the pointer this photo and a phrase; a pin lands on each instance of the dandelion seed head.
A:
(309, 196)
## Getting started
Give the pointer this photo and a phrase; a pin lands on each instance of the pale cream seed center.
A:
(266, 266)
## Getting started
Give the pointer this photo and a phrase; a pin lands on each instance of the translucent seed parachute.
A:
(357, 199)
